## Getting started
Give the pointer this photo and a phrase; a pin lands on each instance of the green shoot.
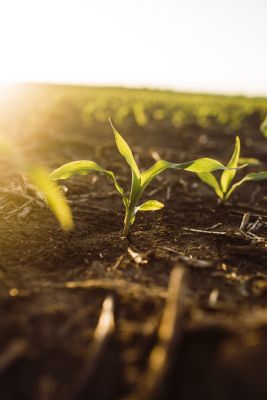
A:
(54, 197)
(139, 181)
(224, 188)
(38, 176)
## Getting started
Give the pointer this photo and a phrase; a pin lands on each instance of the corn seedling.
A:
(139, 181)
(224, 187)
(49, 191)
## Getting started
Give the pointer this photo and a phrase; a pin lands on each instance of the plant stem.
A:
(225, 197)
(127, 222)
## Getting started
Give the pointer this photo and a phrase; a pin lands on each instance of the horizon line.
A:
(161, 88)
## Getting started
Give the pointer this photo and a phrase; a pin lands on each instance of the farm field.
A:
(206, 336)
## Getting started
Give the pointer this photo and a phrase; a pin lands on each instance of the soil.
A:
(48, 325)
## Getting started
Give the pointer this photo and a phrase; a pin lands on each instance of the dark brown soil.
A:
(47, 327)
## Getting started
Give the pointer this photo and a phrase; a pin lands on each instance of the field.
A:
(206, 336)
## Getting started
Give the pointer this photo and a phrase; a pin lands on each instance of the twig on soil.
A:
(193, 262)
(16, 192)
(204, 231)
(214, 226)
(117, 285)
(248, 234)
(137, 257)
(106, 322)
(255, 238)
(213, 297)
(14, 351)
(255, 227)
(254, 194)
(248, 229)
(118, 262)
(168, 192)
(10, 213)
(169, 249)
(25, 212)
(244, 222)
(168, 338)
(95, 354)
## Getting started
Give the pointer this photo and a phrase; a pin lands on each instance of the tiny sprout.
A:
(139, 181)
(224, 188)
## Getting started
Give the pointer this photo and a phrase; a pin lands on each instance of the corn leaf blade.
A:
(125, 151)
(253, 162)
(53, 195)
(254, 176)
(228, 175)
(84, 167)
(209, 179)
(150, 205)
(198, 166)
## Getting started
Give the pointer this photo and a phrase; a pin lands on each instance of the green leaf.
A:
(53, 195)
(228, 175)
(125, 151)
(253, 162)
(210, 180)
(84, 167)
(254, 176)
(199, 165)
(150, 205)
(263, 127)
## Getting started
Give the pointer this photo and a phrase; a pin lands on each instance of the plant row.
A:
(203, 167)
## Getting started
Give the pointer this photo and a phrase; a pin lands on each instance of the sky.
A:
(194, 45)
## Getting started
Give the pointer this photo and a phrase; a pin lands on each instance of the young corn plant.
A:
(139, 180)
(224, 187)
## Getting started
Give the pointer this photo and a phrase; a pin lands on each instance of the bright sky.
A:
(196, 45)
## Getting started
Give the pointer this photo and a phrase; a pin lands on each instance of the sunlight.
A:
(112, 43)
(6, 90)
